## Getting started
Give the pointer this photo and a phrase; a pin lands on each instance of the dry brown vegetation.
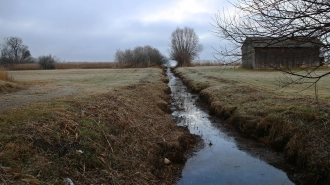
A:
(294, 124)
(211, 63)
(71, 65)
(67, 65)
(4, 75)
(86, 81)
(116, 137)
(6, 82)
(87, 65)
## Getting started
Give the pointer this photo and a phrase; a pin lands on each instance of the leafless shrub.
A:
(140, 57)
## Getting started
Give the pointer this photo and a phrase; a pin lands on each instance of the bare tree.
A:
(280, 19)
(14, 51)
(184, 47)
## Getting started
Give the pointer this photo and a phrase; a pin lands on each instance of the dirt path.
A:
(35, 93)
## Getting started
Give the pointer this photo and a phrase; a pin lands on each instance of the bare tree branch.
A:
(14, 51)
(279, 20)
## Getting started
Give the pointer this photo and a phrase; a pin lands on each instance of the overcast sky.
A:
(92, 30)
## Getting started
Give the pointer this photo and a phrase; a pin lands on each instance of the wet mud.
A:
(222, 156)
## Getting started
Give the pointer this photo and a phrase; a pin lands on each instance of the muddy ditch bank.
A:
(283, 124)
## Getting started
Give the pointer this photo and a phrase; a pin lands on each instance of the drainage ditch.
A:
(220, 158)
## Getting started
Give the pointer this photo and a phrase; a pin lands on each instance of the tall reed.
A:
(73, 65)
(4, 74)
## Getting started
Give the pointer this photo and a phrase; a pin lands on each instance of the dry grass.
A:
(33, 66)
(87, 65)
(267, 80)
(199, 63)
(294, 124)
(7, 83)
(206, 63)
(87, 81)
(117, 137)
(71, 65)
(4, 75)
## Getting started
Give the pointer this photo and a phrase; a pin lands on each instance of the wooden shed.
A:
(290, 52)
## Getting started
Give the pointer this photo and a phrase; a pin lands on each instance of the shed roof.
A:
(283, 42)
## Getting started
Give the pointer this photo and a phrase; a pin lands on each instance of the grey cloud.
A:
(79, 30)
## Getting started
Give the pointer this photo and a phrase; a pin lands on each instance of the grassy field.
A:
(115, 129)
(289, 120)
(268, 80)
(91, 81)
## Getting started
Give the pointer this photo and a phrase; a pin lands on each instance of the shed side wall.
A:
(247, 56)
(286, 57)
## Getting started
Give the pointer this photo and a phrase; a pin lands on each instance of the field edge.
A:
(120, 137)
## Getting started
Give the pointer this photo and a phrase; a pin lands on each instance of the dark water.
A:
(219, 161)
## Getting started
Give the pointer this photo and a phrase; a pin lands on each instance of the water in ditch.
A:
(219, 160)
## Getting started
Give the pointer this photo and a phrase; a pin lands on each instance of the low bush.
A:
(140, 57)
(47, 62)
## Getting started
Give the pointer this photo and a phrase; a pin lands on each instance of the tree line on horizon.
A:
(14, 52)
(184, 48)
